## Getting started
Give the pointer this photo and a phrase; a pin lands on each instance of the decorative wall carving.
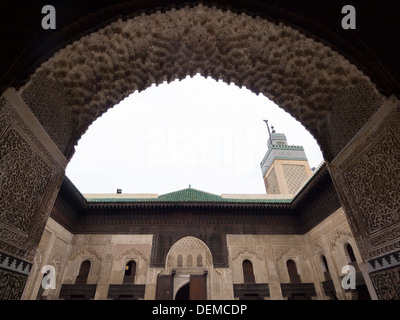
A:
(366, 175)
(59, 253)
(338, 237)
(298, 73)
(23, 172)
(386, 283)
(272, 183)
(13, 276)
(350, 110)
(316, 249)
(288, 252)
(85, 250)
(253, 253)
(48, 101)
(377, 171)
(29, 178)
(133, 251)
(295, 176)
(367, 182)
(164, 240)
(299, 256)
(388, 261)
(11, 284)
(189, 246)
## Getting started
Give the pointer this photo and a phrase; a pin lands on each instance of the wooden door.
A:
(198, 287)
(292, 270)
(248, 273)
(165, 287)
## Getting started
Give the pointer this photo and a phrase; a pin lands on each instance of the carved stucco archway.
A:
(304, 77)
(184, 247)
(315, 84)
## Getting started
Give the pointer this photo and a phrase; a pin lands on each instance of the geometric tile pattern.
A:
(295, 176)
(14, 264)
(272, 183)
(388, 261)
(13, 276)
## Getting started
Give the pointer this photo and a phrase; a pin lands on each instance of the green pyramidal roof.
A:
(189, 194)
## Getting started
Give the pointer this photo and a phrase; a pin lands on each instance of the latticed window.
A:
(179, 261)
(189, 261)
(199, 260)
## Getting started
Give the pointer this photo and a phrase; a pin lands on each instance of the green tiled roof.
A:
(189, 195)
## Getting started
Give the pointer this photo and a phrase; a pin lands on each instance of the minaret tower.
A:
(284, 168)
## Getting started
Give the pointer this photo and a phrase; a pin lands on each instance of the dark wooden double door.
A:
(196, 289)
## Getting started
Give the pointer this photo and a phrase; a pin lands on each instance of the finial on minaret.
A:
(269, 132)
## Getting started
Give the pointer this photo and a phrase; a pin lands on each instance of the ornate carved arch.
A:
(189, 245)
(298, 73)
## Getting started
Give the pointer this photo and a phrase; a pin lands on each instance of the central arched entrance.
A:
(187, 272)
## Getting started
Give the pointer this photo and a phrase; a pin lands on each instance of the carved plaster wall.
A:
(253, 253)
(299, 255)
(386, 282)
(31, 171)
(301, 75)
(185, 252)
(140, 253)
(367, 174)
(329, 238)
(191, 256)
(53, 250)
(95, 254)
(49, 103)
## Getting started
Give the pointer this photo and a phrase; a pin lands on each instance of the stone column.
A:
(104, 277)
(31, 172)
(275, 290)
(366, 174)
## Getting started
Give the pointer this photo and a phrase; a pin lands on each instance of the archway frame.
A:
(304, 77)
(333, 101)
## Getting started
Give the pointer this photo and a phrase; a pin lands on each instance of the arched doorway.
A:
(180, 271)
(183, 293)
(317, 85)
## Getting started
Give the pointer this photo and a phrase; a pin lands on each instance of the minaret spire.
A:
(284, 167)
(269, 132)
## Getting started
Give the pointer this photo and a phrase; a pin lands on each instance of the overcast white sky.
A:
(196, 131)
